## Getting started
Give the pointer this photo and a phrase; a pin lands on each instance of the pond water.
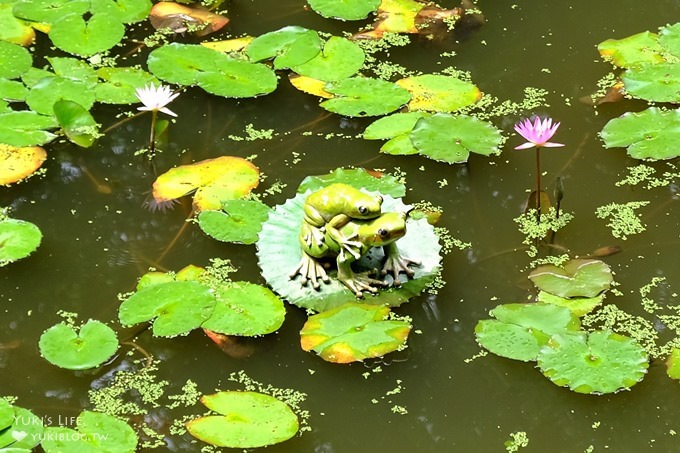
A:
(100, 236)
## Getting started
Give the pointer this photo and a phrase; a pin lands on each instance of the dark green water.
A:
(97, 244)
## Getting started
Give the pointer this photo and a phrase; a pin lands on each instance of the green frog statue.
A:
(348, 236)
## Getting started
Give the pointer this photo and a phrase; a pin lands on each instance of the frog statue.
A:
(359, 236)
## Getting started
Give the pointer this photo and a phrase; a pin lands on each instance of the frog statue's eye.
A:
(383, 232)
(363, 210)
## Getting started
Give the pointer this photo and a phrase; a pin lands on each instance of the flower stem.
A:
(538, 184)
(152, 136)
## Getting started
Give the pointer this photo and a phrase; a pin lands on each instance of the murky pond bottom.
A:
(100, 236)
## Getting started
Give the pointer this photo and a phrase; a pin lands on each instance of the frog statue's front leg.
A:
(395, 263)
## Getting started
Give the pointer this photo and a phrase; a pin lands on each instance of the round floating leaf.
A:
(18, 239)
(14, 60)
(633, 50)
(579, 306)
(6, 415)
(96, 432)
(392, 125)
(596, 363)
(214, 180)
(575, 278)
(361, 96)
(310, 86)
(14, 30)
(520, 330)
(451, 139)
(245, 309)
(49, 11)
(176, 307)
(652, 134)
(239, 221)
(181, 63)
(24, 432)
(279, 253)
(76, 122)
(44, 94)
(119, 84)
(76, 35)
(25, 128)
(247, 420)
(344, 9)
(339, 59)
(439, 93)
(289, 46)
(353, 332)
(669, 38)
(356, 177)
(12, 90)
(93, 344)
(179, 18)
(672, 365)
(19, 163)
(126, 11)
(654, 82)
(74, 69)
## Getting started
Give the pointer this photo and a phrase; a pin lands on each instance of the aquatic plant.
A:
(94, 432)
(20, 429)
(155, 99)
(86, 346)
(18, 238)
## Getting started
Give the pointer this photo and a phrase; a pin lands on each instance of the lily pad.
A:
(449, 138)
(76, 122)
(17, 163)
(214, 181)
(578, 305)
(13, 29)
(290, 46)
(633, 50)
(18, 239)
(353, 332)
(279, 253)
(362, 96)
(393, 125)
(672, 364)
(597, 363)
(74, 69)
(25, 128)
(24, 432)
(245, 309)
(359, 178)
(93, 344)
(96, 432)
(49, 11)
(79, 36)
(118, 85)
(654, 82)
(650, 135)
(439, 93)
(44, 94)
(195, 19)
(520, 330)
(14, 60)
(344, 9)
(175, 307)
(246, 420)
(339, 59)
(239, 221)
(12, 90)
(575, 278)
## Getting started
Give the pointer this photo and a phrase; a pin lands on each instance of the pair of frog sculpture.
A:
(344, 223)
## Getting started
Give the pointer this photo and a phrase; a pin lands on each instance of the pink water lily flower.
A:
(156, 98)
(538, 133)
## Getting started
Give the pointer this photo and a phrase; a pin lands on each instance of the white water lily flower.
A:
(155, 98)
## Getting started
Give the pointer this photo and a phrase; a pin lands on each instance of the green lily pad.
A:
(175, 307)
(650, 135)
(393, 125)
(575, 278)
(355, 177)
(279, 253)
(93, 344)
(247, 420)
(215, 72)
(24, 432)
(245, 309)
(79, 36)
(14, 60)
(214, 181)
(451, 139)
(96, 432)
(289, 46)
(633, 50)
(119, 84)
(344, 9)
(339, 59)
(74, 69)
(361, 96)
(49, 11)
(654, 82)
(669, 38)
(672, 365)
(353, 332)
(6, 415)
(76, 122)
(597, 363)
(126, 11)
(44, 94)
(12, 90)
(13, 29)
(520, 330)
(26, 128)
(578, 305)
(439, 93)
(18, 239)
(239, 221)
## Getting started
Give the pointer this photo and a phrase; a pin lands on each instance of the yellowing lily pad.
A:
(213, 180)
(229, 45)
(246, 420)
(439, 93)
(578, 305)
(673, 364)
(597, 363)
(353, 332)
(575, 278)
(19, 163)
(14, 30)
(93, 344)
(633, 50)
(181, 18)
(96, 432)
(310, 85)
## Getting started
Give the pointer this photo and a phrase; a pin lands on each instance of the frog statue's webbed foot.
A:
(348, 246)
(358, 283)
(311, 270)
(395, 264)
(313, 236)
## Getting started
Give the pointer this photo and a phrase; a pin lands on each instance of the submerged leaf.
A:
(93, 344)
(575, 278)
(19, 163)
(247, 420)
